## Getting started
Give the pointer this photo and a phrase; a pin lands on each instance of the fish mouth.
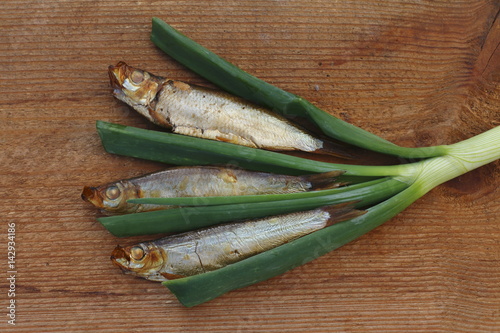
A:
(120, 258)
(117, 75)
(91, 194)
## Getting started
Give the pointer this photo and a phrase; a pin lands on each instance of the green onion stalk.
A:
(383, 190)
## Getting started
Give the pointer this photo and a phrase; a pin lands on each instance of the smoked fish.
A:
(208, 249)
(211, 114)
(199, 181)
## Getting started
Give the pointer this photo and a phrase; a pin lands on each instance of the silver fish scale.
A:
(215, 115)
(217, 181)
(212, 181)
(212, 248)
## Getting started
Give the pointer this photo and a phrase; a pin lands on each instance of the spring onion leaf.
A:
(185, 150)
(238, 82)
(189, 218)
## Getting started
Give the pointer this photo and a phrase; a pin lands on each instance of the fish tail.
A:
(342, 212)
(325, 180)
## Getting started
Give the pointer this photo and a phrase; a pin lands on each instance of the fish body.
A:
(207, 113)
(201, 181)
(208, 249)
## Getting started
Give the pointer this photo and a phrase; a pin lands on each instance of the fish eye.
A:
(113, 193)
(137, 253)
(137, 76)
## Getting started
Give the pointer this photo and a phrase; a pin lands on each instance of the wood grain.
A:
(414, 72)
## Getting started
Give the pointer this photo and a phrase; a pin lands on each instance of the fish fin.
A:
(158, 118)
(325, 180)
(181, 85)
(229, 137)
(342, 212)
(170, 276)
(213, 135)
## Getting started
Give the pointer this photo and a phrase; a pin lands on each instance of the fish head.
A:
(134, 86)
(143, 260)
(112, 197)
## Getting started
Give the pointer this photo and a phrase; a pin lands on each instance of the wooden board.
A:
(417, 73)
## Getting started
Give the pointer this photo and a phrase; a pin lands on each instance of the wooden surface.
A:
(414, 72)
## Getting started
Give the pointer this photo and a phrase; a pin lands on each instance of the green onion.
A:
(237, 208)
(185, 150)
(406, 183)
(393, 189)
(240, 83)
(462, 157)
